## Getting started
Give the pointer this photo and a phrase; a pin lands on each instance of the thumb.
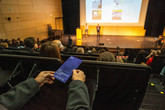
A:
(74, 72)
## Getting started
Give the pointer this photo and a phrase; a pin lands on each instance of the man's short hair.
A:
(29, 42)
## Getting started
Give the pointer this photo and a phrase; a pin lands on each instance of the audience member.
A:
(38, 42)
(74, 48)
(159, 42)
(101, 51)
(50, 49)
(29, 44)
(94, 50)
(151, 56)
(106, 56)
(131, 55)
(59, 44)
(10, 43)
(23, 92)
(13, 43)
(80, 50)
(18, 41)
(1, 40)
(141, 57)
(87, 49)
(4, 45)
(36, 47)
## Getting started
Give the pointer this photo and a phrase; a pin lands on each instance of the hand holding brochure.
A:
(65, 71)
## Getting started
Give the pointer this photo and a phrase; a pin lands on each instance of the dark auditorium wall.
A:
(155, 20)
(71, 15)
(28, 17)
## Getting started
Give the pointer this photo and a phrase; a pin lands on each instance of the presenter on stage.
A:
(86, 30)
(98, 30)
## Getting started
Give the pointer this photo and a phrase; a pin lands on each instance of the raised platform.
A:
(112, 41)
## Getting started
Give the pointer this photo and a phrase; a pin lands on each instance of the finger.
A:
(51, 72)
(49, 75)
(49, 79)
(74, 72)
(53, 78)
(48, 82)
(48, 72)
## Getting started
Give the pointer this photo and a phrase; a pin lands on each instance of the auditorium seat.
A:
(121, 86)
(157, 64)
(112, 86)
(85, 54)
(18, 52)
(7, 72)
(23, 67)
(65, 57)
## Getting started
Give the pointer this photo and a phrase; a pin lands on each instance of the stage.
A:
(112, 41)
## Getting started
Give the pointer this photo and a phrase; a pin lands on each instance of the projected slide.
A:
(113, 11)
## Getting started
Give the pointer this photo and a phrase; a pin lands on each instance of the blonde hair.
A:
(94, 50)
(49, 49)
(80, 50)
(4, 44)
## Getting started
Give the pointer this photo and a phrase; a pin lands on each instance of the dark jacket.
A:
(30, 50)
(78, 98)
(20, 94)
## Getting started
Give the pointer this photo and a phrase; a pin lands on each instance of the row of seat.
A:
(111, 85)
(157, 64)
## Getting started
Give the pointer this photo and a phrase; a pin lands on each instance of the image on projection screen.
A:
(113, 11)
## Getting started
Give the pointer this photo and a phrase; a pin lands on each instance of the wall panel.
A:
(28, 17)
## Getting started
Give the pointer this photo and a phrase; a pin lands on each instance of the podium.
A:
(79, 34)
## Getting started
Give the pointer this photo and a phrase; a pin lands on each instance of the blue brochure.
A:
(65, 71)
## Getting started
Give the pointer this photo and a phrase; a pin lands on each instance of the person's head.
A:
(94, 50)
(38, 39)
(74, 48)
(49, 49)
(160, 36)
(36, 46)
(106, 56)
(59, 44)
(141, 57)
(80, 50)
(19, 39)
(18, 42)
(29, 42)
(21, 43)
(101, 51)
(4, 44)
(13, 41)
(69, 37)
(6, 40)
(86, 48)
